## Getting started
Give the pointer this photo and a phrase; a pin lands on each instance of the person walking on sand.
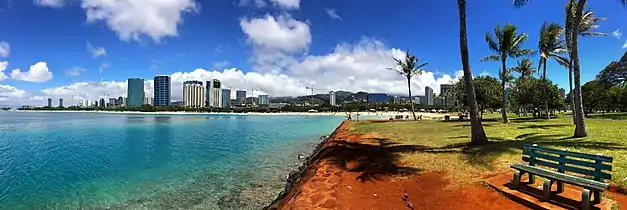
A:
(349, 117)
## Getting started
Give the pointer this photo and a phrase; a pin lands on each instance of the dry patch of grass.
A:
(442, 146)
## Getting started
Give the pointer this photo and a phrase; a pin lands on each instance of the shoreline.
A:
(365, 115)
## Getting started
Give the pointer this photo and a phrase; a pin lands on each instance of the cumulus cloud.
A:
(484, 74)
(131, 19)
(284, 4)
(332, 14)
(96, 51)
(50, 3)
(625, 45)
(3, 66)
(8, 93)
(75, 71)
(38, 72)
(617, 33)
(5, 49)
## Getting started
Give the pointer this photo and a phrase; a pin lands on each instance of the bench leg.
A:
(585, 199)
(532, 179)
(546, 190)
(596, 197)
(560, 186)
(517, 176)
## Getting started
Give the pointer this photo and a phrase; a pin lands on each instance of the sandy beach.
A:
(355, 115)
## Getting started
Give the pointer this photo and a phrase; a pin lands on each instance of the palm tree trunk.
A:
(503, 78)
(572, 98)
(546, 90)
(476, 129)
(580, 124)
(413, 112)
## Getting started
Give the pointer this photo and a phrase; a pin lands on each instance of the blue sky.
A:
(90, 47)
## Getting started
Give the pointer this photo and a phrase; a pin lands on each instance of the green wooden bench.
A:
(596, 168)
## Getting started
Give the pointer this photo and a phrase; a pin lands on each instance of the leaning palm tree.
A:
(525, 68)
(409, 67)
(550, 45)
(477, 134)
(508, 43)
(574, 18)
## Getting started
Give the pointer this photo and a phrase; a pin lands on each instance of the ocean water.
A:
(123, 161)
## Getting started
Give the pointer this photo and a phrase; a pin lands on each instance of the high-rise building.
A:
(60, 102)
(161, 90)
(562, 93)
(102, 103)
(240, 97)
(332, 98)
(447, 96)
(193, 94)
(85, 103)
(149, 101)
(49, 102)
(264, 100)
(215, 92)
(112, 102)
(429, 95)
(226, 98)
(135, 92)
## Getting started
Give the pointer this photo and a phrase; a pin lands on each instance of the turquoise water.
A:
(119, 161)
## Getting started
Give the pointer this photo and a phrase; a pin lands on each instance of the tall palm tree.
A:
(409, 67)
(525, 68)
(550, 45)
(573, 25)
(508, 43)
(477, 133)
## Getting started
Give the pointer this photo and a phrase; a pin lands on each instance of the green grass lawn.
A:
(612, 115)
(442, 146)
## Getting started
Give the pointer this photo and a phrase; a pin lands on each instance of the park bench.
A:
(554, 166)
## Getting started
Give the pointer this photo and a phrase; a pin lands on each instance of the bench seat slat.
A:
(567, 168)
(579, 181)
(569, 161)
(602, 158)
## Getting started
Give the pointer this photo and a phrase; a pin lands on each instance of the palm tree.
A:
(550, 45)
(573, 30)
(508, 43)
(409, 67)
(525, 68)
(476, 129)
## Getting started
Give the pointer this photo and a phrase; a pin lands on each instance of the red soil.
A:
(349, 175)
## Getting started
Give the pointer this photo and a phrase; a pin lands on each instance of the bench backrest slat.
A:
(563, 161)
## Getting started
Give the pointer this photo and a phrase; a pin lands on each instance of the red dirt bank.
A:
(328, 184)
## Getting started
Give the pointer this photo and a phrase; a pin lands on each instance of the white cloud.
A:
(38, 72)
(75, 71)
(103, 66)
(5, 49)
(9, 93)
(96, 51)
(257, 3)
(132, 19)
(617, 33)
(221, 64)
(332, 14)
(50, 3)
(484, 74)
(3, 66)
(625, 45)
(288, 4)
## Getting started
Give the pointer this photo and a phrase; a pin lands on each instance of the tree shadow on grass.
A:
(544, 126)
(485, 155)
(526, 119)
(372, 161)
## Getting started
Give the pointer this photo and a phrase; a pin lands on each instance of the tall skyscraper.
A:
(264, 100)
(445, 91)
(226, 98)
(61, 102)
(215, 93)
(562, 93)
(102, 103)
(429, 95)
(135, 92)
(49, 102)
(193, 94)
(161, 90)
(240, 97)
(149, 101)
(332, 98)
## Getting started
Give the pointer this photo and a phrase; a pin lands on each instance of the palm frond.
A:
(562, 60)
(590, 34)
(492, 45)
(521, 3)
(491, 58)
